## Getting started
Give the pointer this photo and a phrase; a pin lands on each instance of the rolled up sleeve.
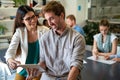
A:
(78, 52)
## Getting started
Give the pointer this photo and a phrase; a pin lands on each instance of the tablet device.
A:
(32, 66)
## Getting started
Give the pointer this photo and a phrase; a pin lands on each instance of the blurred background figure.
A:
(105, 43)
(71, 21)
(41, 18)
(45, 23)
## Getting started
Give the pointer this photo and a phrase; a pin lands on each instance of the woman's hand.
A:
(95, 53)
(116, 59)
(107, 57)
(13, 63)
(95, 56)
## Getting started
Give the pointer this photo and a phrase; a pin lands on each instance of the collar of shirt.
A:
(64, 33)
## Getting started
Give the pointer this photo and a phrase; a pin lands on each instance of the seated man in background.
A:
(105, 43)
(71, 21)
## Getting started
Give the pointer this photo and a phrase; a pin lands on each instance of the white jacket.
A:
(21, 36)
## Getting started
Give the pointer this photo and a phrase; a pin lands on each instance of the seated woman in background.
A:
(105, 43)
(24, 46)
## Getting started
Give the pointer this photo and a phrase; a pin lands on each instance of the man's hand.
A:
(32, 73)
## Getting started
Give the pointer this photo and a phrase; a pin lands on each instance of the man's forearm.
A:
(73, 74)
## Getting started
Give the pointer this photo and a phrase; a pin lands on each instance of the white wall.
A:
(8, 11)
(82, 14)
(71, 7)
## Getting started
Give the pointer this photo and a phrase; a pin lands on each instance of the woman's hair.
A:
(55, 7)
(104, 22)
(21, 12)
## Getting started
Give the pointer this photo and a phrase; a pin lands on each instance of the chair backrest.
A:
(2, 54)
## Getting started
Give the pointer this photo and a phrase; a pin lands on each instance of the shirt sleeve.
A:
(13, 45)
(96, 37)
(41, 51)
(78, 52)
(113, 37)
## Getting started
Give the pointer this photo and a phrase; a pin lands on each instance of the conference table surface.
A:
(93, 70)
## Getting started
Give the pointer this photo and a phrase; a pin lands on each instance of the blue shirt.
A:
(79, 29)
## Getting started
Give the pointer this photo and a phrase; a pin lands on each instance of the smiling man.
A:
(62, 48)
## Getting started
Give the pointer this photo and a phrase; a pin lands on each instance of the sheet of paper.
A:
(84, 62)
(32, 66)
(102, 60)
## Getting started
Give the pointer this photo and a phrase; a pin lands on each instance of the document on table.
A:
(84, 62)
(101, 59)
(32, 66)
